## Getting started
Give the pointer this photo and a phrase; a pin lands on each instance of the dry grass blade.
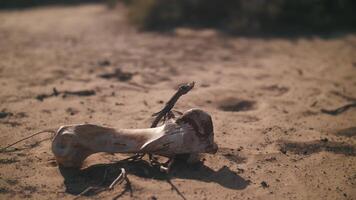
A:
(28, 137)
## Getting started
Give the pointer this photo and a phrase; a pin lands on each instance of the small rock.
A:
(264, 184)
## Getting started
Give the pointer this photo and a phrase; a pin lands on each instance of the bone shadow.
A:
(77, 180)
(307, 148)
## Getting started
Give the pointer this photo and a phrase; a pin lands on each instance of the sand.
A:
(265, 96)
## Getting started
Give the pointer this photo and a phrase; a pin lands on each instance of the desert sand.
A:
(265, 95)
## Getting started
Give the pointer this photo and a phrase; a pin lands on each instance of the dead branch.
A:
(339, 110)
(65, 93)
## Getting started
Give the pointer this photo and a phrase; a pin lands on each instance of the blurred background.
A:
(231, 16)
(269, 72)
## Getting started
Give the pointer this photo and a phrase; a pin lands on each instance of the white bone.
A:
(190, 133)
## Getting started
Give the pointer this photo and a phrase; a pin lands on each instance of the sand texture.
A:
(265, 96)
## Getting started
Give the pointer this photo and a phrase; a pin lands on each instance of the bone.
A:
(191, 133)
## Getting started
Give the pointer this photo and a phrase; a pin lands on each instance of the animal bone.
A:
(191, 133)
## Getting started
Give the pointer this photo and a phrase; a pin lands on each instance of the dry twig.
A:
(65, 93)
(28, 137)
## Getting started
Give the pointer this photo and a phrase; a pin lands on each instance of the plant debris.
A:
(65, 93)
(118, 74)
(8, 161)
(28, 137)
(339, 110)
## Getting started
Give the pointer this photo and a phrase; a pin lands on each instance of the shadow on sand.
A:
(77, 180)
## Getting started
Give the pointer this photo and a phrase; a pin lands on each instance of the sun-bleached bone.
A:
(191, 133)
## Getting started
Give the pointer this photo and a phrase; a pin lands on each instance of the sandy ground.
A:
(265, 97)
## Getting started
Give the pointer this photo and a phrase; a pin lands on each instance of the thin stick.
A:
(85, 191)
(64, 93)
(128, 187)
(44, 131)
(120, 178)
(175, 189)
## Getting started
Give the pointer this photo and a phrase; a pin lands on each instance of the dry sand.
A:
(265, 97)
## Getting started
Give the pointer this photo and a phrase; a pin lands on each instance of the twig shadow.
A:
(77, 180)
